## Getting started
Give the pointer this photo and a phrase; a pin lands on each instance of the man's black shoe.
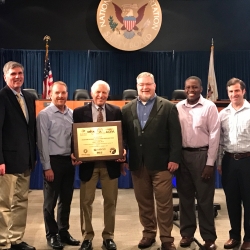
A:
(109, 244)
(69, 240)
(86, 245)
(22, 246)
(54, 242)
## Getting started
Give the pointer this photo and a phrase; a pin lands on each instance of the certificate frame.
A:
(94, 141)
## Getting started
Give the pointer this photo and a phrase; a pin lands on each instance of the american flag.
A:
(47, 79)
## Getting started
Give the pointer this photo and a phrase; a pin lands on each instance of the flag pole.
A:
(212, 91)
(46, 39)
(209, 89)
(47, 78)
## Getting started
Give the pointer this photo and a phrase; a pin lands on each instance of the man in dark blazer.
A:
(152, 134)
(17, 156)
(105, 171)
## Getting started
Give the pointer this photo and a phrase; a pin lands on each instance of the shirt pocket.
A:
(200, 121)
(243, 128)
(61, 128)
(67, 128)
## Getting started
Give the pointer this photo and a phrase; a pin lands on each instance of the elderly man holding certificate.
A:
(102, 146)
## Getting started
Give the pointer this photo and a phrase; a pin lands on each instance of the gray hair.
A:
(11, 65)
(145, 74)
(97, 83)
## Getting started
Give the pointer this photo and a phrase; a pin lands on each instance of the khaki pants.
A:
(13, 208)
(87, 196)
(152, 187)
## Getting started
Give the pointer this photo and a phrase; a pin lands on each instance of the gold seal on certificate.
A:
(95, 141)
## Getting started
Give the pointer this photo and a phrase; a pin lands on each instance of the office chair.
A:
(33, 92)
(129, 94)
(81, 94)
(179, 94)
(115, 97)
(164, 96)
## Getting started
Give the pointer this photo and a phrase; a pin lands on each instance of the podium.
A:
(36, 181)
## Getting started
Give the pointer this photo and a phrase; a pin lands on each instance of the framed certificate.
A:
(95, 141)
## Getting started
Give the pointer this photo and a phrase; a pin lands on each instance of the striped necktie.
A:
(22, 105)
(99, 116)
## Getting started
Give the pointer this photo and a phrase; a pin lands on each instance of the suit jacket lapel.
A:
(155, 109)
(88, 113)
(14, 101)
(28, 104)
(109, 113)
(134, 109)
(134, 114)
(108, 109)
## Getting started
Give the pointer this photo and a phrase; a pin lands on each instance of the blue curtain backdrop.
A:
(120, 69)
(79, 69)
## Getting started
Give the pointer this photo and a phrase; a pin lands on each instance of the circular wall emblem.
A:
(127, 25)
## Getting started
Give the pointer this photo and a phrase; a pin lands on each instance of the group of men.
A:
(162, 138)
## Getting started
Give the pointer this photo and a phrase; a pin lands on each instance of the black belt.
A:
(238, 156)
(196, 149)
(60, 156)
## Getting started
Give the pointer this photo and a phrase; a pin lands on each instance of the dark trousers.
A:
(190, 185)
(236, 185)
(60, 189)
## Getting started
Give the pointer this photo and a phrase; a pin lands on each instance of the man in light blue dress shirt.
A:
(54, 127)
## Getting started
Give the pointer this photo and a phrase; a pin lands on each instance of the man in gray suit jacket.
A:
(152, 134)
(17, 156)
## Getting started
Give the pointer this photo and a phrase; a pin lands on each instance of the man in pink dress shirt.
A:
(195, 178)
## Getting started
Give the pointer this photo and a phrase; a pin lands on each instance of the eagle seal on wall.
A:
(129, 21)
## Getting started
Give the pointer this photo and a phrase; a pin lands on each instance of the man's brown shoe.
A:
(146, 242)
(231, 243)
(245, 245)
(186, 241)
(168, 246)
(209, 245)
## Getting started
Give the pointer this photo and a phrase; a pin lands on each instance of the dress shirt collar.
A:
(97, 107)
(150, 100)
(55, 109)
(15, 93)
(200, 102)
(246, 105)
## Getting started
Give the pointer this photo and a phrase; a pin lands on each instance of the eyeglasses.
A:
(145, 84)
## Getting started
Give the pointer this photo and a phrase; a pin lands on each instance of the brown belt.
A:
(238, 156)
(196, 149)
